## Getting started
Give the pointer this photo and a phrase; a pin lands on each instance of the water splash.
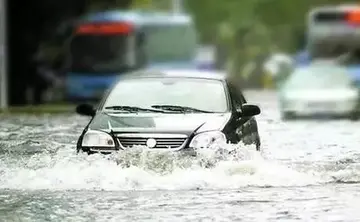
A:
(141, 169)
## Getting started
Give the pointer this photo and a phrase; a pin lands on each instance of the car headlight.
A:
(208, 139)
(95, 138)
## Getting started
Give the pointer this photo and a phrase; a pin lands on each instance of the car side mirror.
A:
(85, 110)
(249, 110)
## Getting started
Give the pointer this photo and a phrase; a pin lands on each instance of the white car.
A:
(321, 88)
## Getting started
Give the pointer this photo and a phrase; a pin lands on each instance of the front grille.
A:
(167, 141)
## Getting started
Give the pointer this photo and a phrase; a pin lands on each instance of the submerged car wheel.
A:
(354, 116)
(288, 116)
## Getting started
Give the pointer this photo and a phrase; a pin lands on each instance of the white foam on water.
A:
(141, 169)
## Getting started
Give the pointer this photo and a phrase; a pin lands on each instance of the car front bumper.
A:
(93, 150)
(313, 107)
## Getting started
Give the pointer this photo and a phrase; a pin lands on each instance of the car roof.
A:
(173, 73)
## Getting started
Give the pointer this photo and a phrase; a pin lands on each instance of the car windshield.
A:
(200, 94)
(99, 53)
(319, 77)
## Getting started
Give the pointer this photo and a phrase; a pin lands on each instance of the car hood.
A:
(159, 123)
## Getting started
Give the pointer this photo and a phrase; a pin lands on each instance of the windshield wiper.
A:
(179, 108)
(133, 109)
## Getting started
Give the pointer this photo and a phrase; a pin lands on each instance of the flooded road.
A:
(307, 171)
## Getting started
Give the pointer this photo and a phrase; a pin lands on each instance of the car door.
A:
(246, 127)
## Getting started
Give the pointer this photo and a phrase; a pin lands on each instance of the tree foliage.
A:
(249, 29)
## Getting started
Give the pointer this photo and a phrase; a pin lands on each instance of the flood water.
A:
(307, 171)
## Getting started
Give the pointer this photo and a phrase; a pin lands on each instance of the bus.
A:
(333, 32)
(106, 44)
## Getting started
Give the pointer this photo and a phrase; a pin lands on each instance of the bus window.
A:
(94, 51)
(172, 42)
(141, 57)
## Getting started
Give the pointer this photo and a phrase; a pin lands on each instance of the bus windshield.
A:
(166, 43)
(99, 53)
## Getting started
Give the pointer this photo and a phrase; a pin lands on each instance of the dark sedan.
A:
(173, 110)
